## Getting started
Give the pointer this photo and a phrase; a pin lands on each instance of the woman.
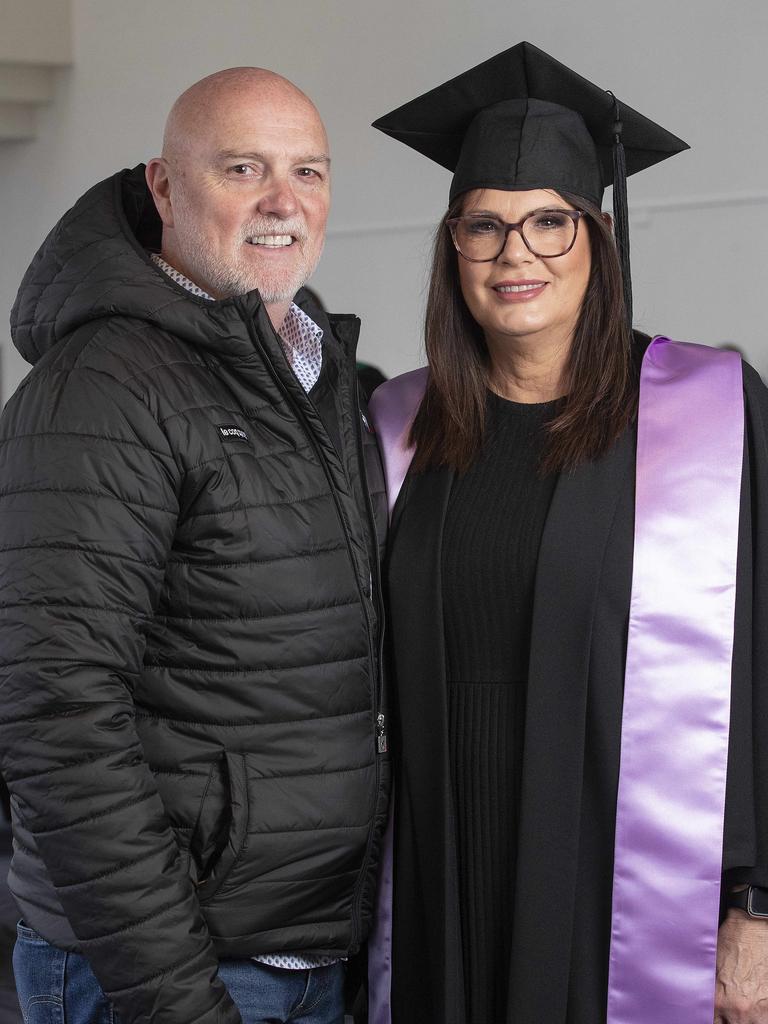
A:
(531, 885)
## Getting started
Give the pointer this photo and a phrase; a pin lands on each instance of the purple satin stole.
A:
(669, 826)
(674, 736)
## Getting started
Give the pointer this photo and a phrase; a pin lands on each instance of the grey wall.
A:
(700, 221)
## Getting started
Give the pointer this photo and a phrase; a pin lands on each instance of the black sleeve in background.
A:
(87, 516)
(745, 850)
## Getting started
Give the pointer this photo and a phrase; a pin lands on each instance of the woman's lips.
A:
(519, 291)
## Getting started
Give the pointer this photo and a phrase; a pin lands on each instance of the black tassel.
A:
(620, 209)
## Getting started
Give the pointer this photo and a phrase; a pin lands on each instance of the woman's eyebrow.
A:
(483, 213)
(498, 216)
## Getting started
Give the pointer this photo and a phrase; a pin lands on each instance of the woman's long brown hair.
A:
(600, 376)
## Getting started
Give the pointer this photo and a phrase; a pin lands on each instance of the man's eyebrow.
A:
(321, 158)
(239, 154)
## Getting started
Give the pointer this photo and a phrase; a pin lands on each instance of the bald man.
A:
(192, 721)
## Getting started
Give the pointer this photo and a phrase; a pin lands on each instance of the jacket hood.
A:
(95, 263)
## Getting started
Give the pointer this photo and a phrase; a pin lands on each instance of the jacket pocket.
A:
(222, 826)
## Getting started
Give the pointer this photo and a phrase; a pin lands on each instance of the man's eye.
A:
(241, 170)
(307, 172)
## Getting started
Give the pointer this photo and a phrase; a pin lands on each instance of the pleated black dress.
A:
(493, 525)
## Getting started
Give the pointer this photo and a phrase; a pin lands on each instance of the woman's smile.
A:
(519, 291)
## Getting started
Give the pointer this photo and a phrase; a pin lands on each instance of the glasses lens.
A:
(479, 238)
(549, 232)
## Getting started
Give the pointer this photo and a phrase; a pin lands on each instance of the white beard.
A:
(234, 274)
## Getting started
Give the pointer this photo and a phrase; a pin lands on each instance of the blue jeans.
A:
(56, 987)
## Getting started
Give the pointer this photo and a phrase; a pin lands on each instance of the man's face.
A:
(249, 196)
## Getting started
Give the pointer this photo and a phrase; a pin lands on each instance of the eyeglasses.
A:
(546, 233)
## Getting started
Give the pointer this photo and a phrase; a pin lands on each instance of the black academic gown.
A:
(563, 877)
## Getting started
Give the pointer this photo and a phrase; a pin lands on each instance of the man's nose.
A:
(279, 199)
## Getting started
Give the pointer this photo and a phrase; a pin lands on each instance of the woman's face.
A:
(547, 308)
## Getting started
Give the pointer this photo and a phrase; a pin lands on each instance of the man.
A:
(193, 729)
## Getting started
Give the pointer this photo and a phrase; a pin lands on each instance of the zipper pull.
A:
(381, 735)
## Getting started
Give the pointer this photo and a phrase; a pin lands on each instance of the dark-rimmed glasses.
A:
(546, 233)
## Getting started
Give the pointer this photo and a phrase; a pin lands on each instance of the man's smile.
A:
(271, 241)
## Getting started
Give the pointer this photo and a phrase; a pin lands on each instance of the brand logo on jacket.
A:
(229, 432)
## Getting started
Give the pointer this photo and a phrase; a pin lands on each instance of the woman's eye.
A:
(550, 221)
(482, 227)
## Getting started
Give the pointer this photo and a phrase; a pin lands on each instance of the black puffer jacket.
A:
(189, 624)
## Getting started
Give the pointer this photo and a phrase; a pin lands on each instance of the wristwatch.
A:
(753, 900)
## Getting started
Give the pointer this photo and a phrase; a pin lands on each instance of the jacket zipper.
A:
(301, 415)
(374, 578)
(381, 735)
(381, 722)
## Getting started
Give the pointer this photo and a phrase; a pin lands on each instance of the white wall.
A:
(700, 221)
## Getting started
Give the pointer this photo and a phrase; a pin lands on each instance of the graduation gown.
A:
(558, 971)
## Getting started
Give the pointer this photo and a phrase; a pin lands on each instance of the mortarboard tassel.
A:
(620, 209)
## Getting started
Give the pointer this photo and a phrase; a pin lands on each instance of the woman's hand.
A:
(741, 990)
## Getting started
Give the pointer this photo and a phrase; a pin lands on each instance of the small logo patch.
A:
(228, 432)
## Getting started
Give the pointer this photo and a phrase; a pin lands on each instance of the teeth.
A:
(517, 287)
(272, 240)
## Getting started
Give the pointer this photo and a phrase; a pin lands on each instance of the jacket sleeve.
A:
(88, 507)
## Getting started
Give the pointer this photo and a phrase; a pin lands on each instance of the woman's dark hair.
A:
(601, 382)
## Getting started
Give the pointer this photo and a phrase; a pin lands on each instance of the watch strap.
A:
(753, 901)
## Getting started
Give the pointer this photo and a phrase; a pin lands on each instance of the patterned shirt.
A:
(299, 335)
(301, 339)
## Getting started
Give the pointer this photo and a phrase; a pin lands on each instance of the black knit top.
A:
(493, 528)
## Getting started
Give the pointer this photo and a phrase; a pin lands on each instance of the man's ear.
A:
(159, 184)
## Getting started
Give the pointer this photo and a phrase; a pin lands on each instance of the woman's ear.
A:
(607, 219)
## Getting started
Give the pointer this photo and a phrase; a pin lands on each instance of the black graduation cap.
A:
(523, 120)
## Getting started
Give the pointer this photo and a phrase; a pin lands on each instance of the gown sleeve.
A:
(745, 849)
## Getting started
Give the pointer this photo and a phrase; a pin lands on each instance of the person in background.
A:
(192, 719)
(370, 378)
(577, 597)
